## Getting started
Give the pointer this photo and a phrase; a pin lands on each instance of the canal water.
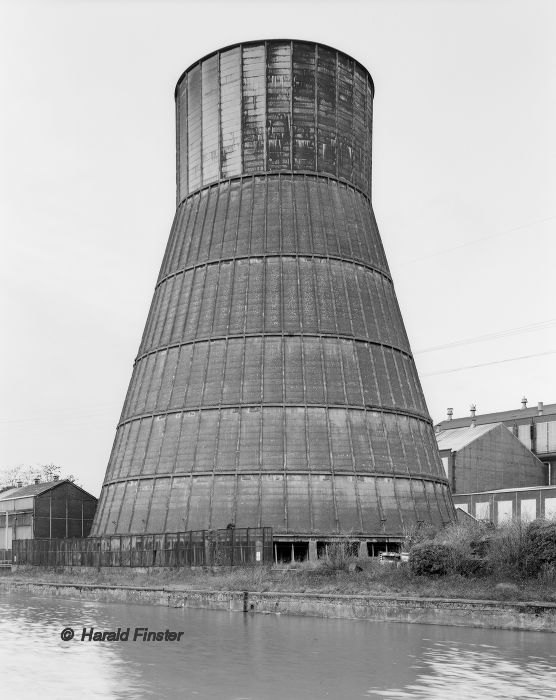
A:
(235, 656)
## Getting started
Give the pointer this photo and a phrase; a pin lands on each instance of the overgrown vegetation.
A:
(430, 558)
(516, 561)
(514, 551)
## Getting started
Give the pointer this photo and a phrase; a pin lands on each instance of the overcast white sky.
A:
(464, 194)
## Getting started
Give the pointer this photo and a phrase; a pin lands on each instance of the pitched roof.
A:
(459, 438)
(31, 489)
(500, 416)
(515, 489)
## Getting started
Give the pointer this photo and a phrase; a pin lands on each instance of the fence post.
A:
(233, 546)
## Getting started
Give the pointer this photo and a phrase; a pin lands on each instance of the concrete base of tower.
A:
(289, 549)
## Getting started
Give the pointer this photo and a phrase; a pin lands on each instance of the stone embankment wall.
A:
(534, 616)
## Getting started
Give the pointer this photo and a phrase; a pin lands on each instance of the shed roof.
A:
(459, 438)
(31, 489)
(517, 489)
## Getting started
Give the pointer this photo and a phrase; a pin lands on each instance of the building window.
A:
(528, 508)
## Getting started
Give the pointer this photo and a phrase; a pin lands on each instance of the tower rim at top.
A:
(254, 42)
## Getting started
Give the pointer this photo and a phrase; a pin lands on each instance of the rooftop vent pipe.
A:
(19, 484)
(540, 408)
(473, 408)
(524, 402)
(37, 480)
(450, 412)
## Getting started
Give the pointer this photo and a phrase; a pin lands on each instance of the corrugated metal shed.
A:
(56, 508)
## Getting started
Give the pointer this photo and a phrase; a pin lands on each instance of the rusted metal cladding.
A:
(274, 383)
(274, 106)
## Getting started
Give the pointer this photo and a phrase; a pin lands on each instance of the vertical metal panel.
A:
(248, 505)
(524, 435)
(541, 436)
(181, 104)
(370, 505)
(157, 515)
(369, 135)
(230, 112)
(326, 110)
(272, 457)
(437, 496)
(186, 446)
(198, 511)
(390, 508)
(223, 512)
(551, 428)
(360, 152)
(214, 373)
(278, 97)
(121, 520)
(273, 500)
(210, 95)
(194, 129)
(252, 348)
(227, 439)
(324, 519)
(303, 89)
(345, 117)
(254, 108)
(299, 516)
(346, 498)
(318, 440)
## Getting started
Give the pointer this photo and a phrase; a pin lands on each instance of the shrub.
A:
(472, 566)
(507, 548)
(547, 576)
(540, 546)
(429, 558)
(424, 532)
(481, 545)
(338, 557)
(460, 538)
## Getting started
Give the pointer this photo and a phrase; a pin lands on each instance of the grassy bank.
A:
(373, 579)
(516, 561)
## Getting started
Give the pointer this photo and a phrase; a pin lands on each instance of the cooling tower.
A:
(274, 384)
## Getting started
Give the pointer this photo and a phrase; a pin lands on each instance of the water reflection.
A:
(468, 670)
(230, 656)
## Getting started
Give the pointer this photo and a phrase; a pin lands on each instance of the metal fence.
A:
(231, 547)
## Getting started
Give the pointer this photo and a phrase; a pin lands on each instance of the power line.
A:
(541, 325)
(486, 364)
(477, 240)
(64, 415)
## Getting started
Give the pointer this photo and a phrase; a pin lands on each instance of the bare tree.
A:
(26, 474)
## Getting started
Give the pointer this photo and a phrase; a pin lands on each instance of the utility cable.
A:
(541, 325)
(476, 240)
(486, 364)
